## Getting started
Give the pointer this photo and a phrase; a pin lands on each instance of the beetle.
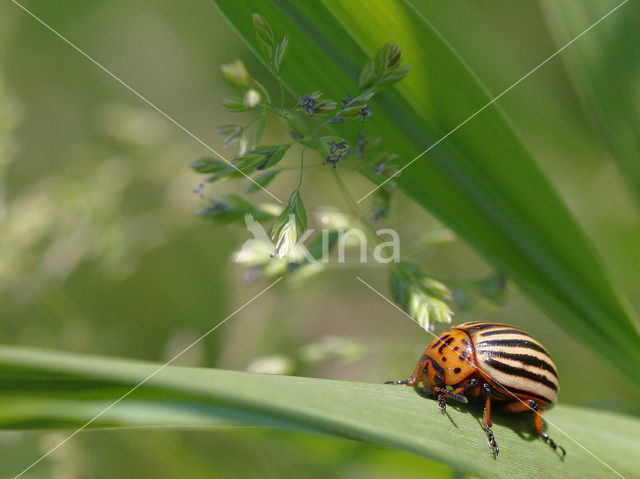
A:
(498, 362)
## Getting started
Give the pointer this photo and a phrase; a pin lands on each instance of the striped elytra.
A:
(513, 363)
(497, 362)
(514, 360)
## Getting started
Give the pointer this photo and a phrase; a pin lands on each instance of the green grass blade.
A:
(612, 99)
(481, 180)
(44, 390)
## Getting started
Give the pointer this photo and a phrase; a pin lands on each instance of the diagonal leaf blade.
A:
(51, 390)
(611, 99)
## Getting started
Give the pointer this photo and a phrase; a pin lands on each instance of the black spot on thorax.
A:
(437, 367)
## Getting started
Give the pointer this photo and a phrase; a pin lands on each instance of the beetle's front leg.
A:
(442, 397)
(440, 392)
(443, 394)
(486, 419)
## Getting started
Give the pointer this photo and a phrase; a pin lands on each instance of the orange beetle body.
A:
(500, 362)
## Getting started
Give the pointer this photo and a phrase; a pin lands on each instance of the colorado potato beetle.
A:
(501, 363)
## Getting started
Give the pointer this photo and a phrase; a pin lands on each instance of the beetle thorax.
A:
(449, 360)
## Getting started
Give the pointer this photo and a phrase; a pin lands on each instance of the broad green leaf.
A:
(612, 99)
(481, 181)
(50, 390)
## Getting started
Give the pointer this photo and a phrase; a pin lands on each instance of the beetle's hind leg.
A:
(537, 425)
(553, 444)
(486, 419)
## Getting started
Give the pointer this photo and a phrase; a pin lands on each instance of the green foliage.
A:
(281, 53)
(610, 100)
(423, 298)
(481, 295)
(264, 35)
(481, 181)
(208, 165)
(381, 70)
(46, 390)
(97, 213)
(233, 209)
(384, 69)
(263, 180)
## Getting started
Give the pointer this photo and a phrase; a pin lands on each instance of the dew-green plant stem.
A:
(301, 166)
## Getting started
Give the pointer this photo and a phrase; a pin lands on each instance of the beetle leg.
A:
(463, 389)
(440, 392)
(486, 419)
(537, 425)
(471, 384)
(442, 400)
(414, 378)
(443, 394)
(553, 444)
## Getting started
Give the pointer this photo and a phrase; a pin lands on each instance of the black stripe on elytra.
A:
(446, 343)
(473, 329)
(439, 341)
(516, 343)
(499, 392)
(513, 371)
(503, 331)
(523, 358)
(437, 367)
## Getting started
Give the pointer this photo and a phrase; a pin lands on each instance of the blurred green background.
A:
(101, 252)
